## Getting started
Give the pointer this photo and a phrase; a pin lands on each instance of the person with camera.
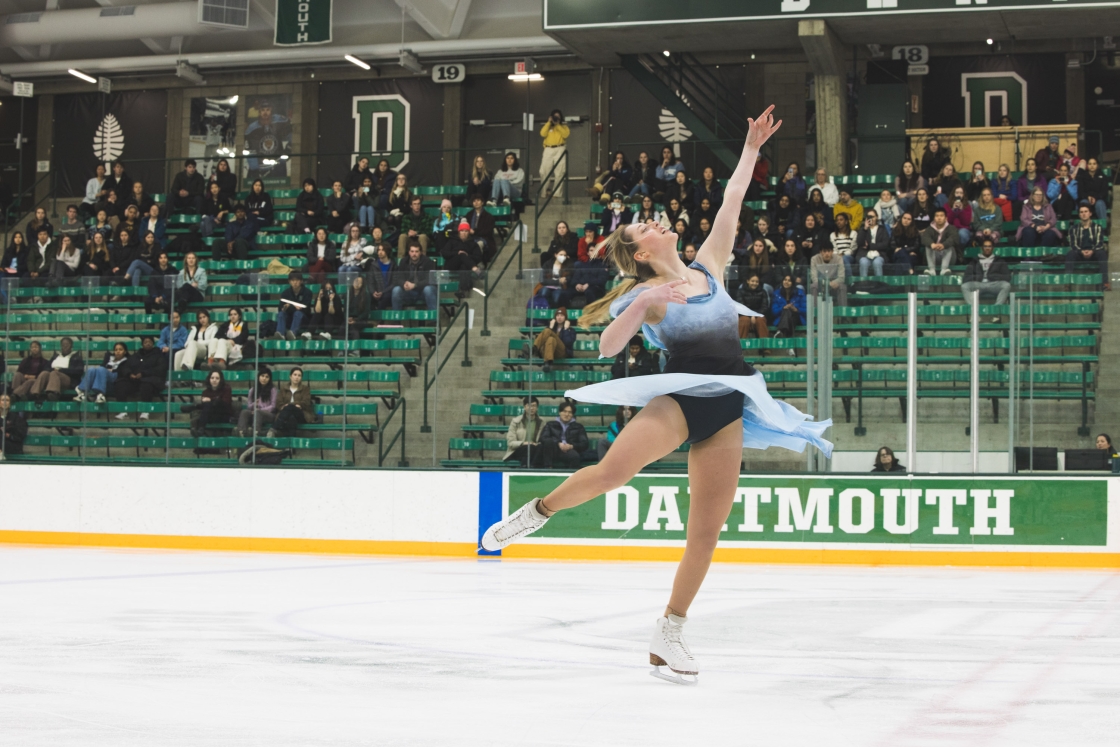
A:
(1062, 193)
(329, 313)
(872, 244)
(555, 134)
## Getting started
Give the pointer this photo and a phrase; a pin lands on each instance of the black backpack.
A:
(260, 452)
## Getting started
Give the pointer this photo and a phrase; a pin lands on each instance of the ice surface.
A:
(123, 648)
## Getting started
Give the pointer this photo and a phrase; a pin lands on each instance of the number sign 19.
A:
(917, 54)
(449, 73)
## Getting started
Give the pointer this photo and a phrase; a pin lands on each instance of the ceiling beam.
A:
(434, 18)
(26, 52)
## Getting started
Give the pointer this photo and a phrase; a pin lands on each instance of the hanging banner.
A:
(302, 22)
(979, 91)
(268, 138)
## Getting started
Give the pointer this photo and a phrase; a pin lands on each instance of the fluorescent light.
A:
(244, 152)
(356, 61)
(83, 76)
(526, 76)
(666, 53)
(990, 42)
(479, 291)
(283, 158)
(233, 99)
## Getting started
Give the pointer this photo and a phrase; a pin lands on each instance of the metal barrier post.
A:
(974, 386)
(912, 381)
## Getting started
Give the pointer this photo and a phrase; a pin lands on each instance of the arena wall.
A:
(855, 519)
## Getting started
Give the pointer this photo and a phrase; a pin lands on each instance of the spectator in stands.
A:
(142, 376)
(118, 183)
(359, 172)
(141, 199)
(14, 263)
(160, 281)
(339, 208)
(887, 210)
(554, 166)
(817, 207)
(328, 313)
(828, 190)
(1037, 222)
(1004, 190)
(760, 178)
(811, 237)
(93, 192)
(225, 178)
(66, 370)
(146, 257)
(240, 238)
(190, 283)
(934, 158)
(67, 261)
(958, 211)
(1048, 158)
(214, 210)
(358, 306)
(556, 340)
(886, 461)
(215, 404)
(589, 241)
(634, 361)
(977, 182)
(616, 215)
(788, 309)
(742, 242)
(847, 206)
(73, 226)
(13, 429)
(562, 238)
(294, 307)
(785, 216)
(508, 181)
(414, 225)
(643, 178)
(790, 261)
(792, 184)
(187, 189)
(102, 226)
(1093, 188)
(354, 253)
(173, 337)
(29, 370)
(523, 436)
(482, 228)
(756, 298)
(987, 274)
(412, 281)
(945, 184)
(293, 406)
(322, 255)
(40, 221)
(591, 275)
(647, 213)
(922, 209)
(1087, 246)
(96, 380)
(260, 406)
(41, 257)
(673, 213)
(556, 282)
(1026, 184)
(1062, 193)
(666, 171)
(906, 185)
(198, 341)
(769, 235)
(618, 178)
(684, 235)
(131, 221)
(682, 188)
(688, 253)
(380, 277)
(622, 417)
(259, 205)
(383, 180)
(828, 266)
(757, 262)
(365, 201)
(97, 257)
(309, 208)
(444, 226)
(564, 440)
(872, 246)
(940, 242)
(843, 241)
(399, 201)
(229, 345)
(700, 235)
(463, 255)
(152, 223)
(708, 188)
(987, 217)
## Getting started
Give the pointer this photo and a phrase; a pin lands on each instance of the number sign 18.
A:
(917, 54)
(449, 73)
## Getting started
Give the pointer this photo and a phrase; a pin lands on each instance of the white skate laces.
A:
(524, 521)
(668, 649)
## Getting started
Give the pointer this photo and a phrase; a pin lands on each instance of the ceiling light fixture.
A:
(233, 99)
(356, 61)
(525, 76)
(666, 53)
(990, 41)
(83, 76)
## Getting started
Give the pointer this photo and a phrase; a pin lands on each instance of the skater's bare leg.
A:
(654, 432)
(713, 476)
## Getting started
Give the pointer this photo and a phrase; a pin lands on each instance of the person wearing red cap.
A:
(462, 254)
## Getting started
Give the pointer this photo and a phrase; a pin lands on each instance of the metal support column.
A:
(974, 386)
(810, 350)
(912, 383)
(1012, 383)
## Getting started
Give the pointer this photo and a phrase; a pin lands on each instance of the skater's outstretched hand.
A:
(762, 128)
(648, 307)
(664, 294)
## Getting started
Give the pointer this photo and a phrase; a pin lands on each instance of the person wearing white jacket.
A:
(828, 190)
(197, 341)
(93, 193)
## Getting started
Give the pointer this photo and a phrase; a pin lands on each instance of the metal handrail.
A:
(463, 310)
(17, 202)
(488, 287)
(540, 206)
(383, 450)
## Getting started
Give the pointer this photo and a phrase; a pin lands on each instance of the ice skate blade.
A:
(675, 677)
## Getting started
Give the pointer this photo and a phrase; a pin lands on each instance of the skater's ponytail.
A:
(618, 252)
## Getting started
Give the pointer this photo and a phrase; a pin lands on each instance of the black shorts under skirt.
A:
(707, 416)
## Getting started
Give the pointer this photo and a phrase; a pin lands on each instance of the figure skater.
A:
(707, 396)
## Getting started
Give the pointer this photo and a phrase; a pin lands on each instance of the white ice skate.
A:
(668, 649)
(522, 522)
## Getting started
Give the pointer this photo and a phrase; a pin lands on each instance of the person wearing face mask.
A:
(556, 283)
(616, 215)
(215, 404)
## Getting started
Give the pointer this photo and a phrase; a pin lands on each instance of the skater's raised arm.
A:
(648, 306)
(716, 250)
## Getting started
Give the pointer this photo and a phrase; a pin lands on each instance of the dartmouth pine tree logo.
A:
(108, 140)
(381, 128)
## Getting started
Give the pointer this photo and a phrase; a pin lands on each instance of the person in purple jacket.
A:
(1038, 223)
(1026, 183)
(262, 402)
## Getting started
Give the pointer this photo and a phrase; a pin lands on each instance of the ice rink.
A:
(117, 647)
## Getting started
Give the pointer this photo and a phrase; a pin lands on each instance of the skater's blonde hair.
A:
(619, 252)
